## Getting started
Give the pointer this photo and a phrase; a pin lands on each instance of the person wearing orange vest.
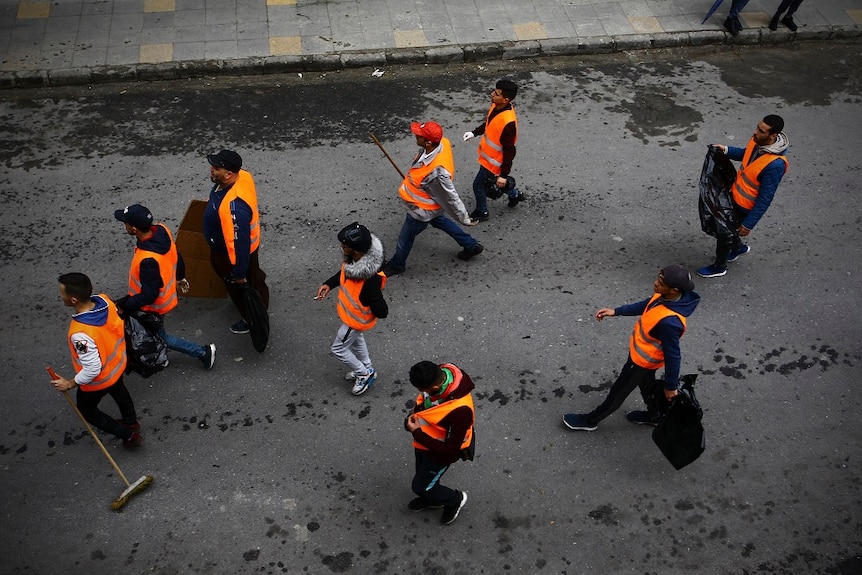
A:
(496, 151)
(654, 343)
(98, 347)
(428, 194)
(232, 229)
(763, 166)
(441, 424)
(360, 301)
(156, 265)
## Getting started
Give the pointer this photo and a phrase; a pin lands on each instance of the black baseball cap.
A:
(136, 216)
(227, 159)
(676, 276)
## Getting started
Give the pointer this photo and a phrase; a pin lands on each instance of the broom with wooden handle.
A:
(131, 488)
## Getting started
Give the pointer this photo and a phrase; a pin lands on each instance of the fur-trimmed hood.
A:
(367, 265)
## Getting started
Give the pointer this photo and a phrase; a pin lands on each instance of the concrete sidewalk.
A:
(45, 43)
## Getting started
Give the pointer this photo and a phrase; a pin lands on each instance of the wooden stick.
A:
(54, 375)
(391, 161)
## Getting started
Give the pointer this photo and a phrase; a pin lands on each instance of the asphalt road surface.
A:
(267, 464)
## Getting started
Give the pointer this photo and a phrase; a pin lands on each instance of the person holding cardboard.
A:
(232, 230)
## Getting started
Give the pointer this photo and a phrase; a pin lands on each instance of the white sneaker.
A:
(363, 382)
(349, 376)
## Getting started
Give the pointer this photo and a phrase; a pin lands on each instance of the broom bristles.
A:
(132, 489)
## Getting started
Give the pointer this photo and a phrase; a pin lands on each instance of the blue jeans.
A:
(483, 181)
(181, 345)
(413, 227)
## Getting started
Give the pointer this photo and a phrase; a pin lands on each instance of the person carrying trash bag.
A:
(763, 166)
(680, 434)
(654, 343)
(156, 273)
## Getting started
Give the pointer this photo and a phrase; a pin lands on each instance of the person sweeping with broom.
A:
(98, 345)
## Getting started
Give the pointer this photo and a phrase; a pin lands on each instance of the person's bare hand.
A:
(605, 312)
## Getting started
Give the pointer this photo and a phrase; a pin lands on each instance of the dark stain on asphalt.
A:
(655, 112)
(762, 74)
(821, 355)
(607, 514)
(340, 563)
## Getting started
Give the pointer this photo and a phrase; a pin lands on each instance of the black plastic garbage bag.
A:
(146, 350)
(715, 204)
(258, 318)
(680, 434)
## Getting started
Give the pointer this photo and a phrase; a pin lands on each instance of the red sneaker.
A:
(136, 426)
(134, 441)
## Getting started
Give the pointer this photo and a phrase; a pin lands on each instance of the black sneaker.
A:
(578, 422)
(643, 418)
(421, 504)
(773, 24)
(240, 327)
(450, 514)
(481, 216)
(517, 199)
(788, 21)
(733, 25)
(467, 255)
(209, 356)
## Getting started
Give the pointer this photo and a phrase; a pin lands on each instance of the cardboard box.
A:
(193, 246)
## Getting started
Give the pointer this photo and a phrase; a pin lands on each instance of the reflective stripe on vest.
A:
(490, 148)
(411, 188)
(243, 189)
(645, 350)
(746, 187)
(433, 415)
(167, 298)
(110, 341)
(350, 309)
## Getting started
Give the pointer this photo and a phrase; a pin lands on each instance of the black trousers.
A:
(88, 404)
(728, 239)
(789, 5)
(426, 482)
(254, 275)
(631, 376)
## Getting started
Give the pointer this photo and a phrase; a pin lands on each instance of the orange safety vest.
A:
(411, 188)
(350, 309)
(433, 415)
(490, 149)
(167, 299)
(243, 189)
(110, 341)
(644, 349)
(747, 187)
